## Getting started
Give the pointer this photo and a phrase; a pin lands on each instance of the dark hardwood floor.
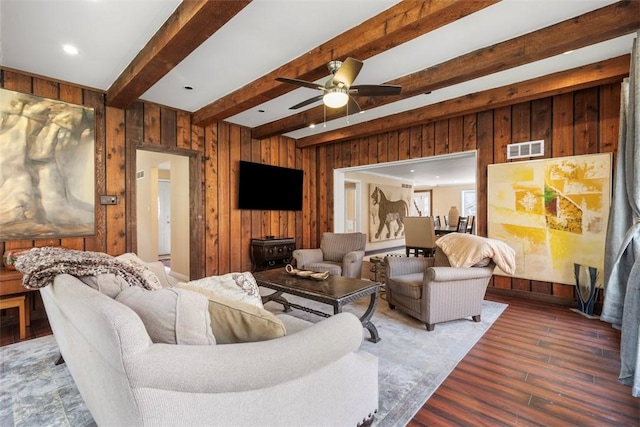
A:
(539, 364)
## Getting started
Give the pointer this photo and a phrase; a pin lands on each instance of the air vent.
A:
(525, 149)
(139, 174)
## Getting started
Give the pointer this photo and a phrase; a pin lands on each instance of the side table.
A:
(14, 295)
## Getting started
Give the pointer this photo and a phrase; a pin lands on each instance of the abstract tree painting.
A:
(47, 163)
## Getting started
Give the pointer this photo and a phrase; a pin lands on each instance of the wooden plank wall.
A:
(220, 232)
(575, 123)
(581, 122)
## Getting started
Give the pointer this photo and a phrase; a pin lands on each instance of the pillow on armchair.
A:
(468, 250)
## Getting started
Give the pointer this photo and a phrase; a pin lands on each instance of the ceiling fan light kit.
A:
(338, 90)
(336, 97)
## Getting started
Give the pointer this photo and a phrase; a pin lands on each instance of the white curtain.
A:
(622, 251)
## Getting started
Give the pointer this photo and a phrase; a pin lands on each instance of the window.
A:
(468, 202)
(421, 203)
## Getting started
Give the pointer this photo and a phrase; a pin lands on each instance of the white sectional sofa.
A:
(315, 376)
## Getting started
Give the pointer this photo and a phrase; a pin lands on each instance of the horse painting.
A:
(389, 212)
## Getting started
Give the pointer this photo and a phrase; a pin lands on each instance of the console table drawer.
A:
(271, 253)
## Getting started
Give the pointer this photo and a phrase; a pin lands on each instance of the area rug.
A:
(412, 364)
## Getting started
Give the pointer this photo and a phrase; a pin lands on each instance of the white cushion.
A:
(235, 286)
(466, 250)
(235, 321)
(149, 275)
(107, 283)
(171, 315)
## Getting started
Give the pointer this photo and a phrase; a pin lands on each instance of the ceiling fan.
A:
(338, 90)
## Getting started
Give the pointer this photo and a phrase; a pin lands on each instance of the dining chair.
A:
(470, 223)
(446, 221)
(462, 224)
(419, 235)
(436, 221)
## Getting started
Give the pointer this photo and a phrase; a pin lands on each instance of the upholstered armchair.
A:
(340, 254)
(432, 291)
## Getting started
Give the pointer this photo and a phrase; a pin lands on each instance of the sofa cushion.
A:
(235, 286)
(107, 283)
(171, 315)
(409, 285)
(235, 321)
(149, 274)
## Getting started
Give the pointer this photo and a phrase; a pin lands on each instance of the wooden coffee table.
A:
(336, 291)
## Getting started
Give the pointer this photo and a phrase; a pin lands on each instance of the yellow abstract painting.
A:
(552, 212)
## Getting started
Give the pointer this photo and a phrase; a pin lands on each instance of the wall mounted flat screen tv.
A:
(267, 187)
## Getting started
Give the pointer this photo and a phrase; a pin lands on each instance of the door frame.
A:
(196, 242)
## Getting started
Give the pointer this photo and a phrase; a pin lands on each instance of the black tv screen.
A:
(267, 187)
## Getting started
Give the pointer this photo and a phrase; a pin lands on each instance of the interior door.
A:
(164, 218)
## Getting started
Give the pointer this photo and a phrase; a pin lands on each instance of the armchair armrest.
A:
(351, 257)
(247, 366)
(448, 274)
(400, 266)
(307, 256)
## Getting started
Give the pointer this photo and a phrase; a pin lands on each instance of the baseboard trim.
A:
(565, 302)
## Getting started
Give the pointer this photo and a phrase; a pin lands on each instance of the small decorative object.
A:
(11, 255)
(454, 215)
(320, 276)
(304, 273)
(291, 270)
(586, 278)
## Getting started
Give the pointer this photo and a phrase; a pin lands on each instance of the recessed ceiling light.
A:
(312, 125)
(70, 49)
(568, 52)
(412, 170)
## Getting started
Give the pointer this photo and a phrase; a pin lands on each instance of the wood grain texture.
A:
(583, 120)
(538, 364)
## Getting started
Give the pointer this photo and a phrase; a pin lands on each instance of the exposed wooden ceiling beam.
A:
(193, 22)
(398, 24)
(611, 21)
(603, 72)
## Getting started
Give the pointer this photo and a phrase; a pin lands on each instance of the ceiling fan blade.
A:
(307, 102)
(375, 90)
(347, 72)
(302, 83)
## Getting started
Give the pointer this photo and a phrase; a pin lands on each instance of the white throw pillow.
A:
(466, 250)
(235, 286)
(171, 315)
(236, 321)
(107, 283)
(149, 275)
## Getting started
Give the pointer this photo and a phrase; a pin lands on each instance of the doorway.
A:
(352, 206)
(162, 210)
(450, 170)
(164, 219)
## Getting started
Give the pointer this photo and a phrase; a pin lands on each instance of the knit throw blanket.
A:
(40, 266)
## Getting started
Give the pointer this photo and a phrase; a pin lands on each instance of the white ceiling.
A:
(262, 37)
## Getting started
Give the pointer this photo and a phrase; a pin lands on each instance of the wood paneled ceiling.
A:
(449, 56)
